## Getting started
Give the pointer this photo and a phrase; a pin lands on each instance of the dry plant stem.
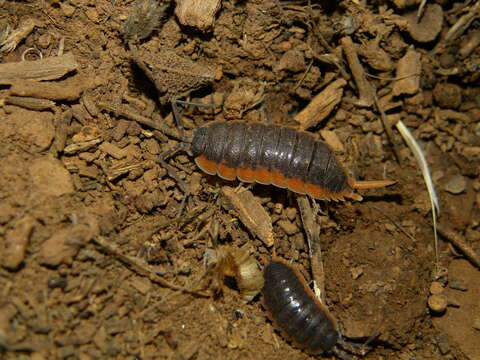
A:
(46, 69)
(312, 230)
(420, 9)
(397, 225)
(463, 23)
(30, 103)
(366, 92)
(459, 27)
(132, 115)
(141, 268)
(458, 241)
(427, 177)
(388, 130)
(321, 105)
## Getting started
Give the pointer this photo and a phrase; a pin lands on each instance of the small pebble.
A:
(437, 303)
(476, 323)
(436, 288)
(444, 347)
(458, 284)
(57, 282)
(456, 184)
(447, 95)
(287, 226)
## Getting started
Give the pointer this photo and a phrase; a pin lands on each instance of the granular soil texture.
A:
(101, 255)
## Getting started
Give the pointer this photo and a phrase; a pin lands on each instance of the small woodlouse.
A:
(295, 310)
(275, 154)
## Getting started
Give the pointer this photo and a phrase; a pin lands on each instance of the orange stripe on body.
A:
(278, 179)
(296, 185)
(246, 174)
(208, 166)
(263, 176)
(226, 172)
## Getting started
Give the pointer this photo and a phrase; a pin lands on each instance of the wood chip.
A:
(321, 105)
(30, 103)
(408, 73)
(46, 69)
(70, 89)
(112, 150)
(17, 241)
(250, 213)
(332, 140)
(197, 14)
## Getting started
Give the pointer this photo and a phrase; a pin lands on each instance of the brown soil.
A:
(94, 263)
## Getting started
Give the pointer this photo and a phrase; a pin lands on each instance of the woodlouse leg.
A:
(357, 349)
(176, 111)
(173, 174)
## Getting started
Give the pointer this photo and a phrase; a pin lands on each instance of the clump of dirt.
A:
(103, 256)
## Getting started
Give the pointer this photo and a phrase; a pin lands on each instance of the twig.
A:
(141, 268)
(312, 229)
(459, 27)
(457, 240)
(130, 114)
(388, 129)
(420, 9)
(366, 92)
(397, 225)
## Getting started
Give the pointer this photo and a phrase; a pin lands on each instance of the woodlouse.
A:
(275, 154)
(295, 310)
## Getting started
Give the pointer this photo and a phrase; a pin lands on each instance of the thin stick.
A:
(399, 227)
(137, 266)
(312, 229)
(366, 92)
(388, 128)
(457, 240)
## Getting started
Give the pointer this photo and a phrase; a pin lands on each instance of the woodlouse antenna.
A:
(370, 184)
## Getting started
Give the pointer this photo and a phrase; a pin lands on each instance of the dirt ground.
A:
(96, 264)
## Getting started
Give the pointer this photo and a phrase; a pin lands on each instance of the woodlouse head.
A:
(199, 142)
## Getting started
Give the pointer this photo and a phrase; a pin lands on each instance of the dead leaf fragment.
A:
(250, 213)
(408, 73)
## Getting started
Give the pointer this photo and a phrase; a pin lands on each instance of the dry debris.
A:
(250, 213)
(197, 14)
(173, 76)
(50, 68)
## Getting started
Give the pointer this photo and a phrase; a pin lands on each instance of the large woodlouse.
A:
(275, 154)
(295, 310)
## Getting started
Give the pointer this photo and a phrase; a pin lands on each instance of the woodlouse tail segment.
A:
(371, 184)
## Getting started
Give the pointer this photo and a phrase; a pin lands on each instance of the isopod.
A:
(295, 310)
(277, 155)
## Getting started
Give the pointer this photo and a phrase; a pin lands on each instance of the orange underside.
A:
(278, 179)
(208, 166)
(246, 174)
(264, 176)
(226, 172)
